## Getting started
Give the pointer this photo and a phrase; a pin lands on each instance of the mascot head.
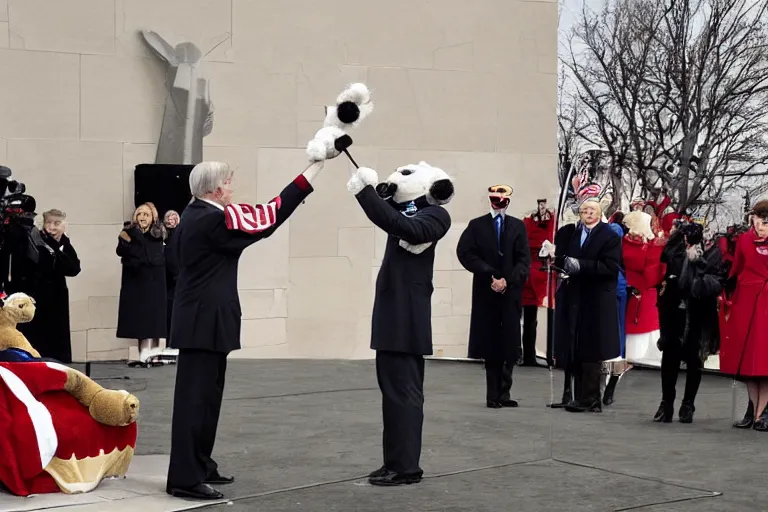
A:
(417, 180)
(18, 308)
(639, 224)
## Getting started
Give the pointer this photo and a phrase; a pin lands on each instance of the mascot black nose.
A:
(406, 172)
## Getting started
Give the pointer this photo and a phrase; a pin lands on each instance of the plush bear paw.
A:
(328, 143)
(415, 249)
(114, 408)
(363, 177)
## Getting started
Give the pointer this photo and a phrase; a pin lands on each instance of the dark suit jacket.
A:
(206, 309)
(402, 309)
(495, 318)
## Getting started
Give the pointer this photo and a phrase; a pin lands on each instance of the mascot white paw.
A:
(328, 143)
(363, 177)
(415, 249)
(352, 106)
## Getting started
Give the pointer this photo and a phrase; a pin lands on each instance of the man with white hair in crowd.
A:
(588, 326)
(205, 325)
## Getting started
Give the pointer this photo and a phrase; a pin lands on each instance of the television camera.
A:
(17, 218)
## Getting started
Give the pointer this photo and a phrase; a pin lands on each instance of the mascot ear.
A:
(386, 190)
(441, 192)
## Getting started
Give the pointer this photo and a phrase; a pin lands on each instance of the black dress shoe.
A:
(198, 492)
(584, 406)
(686, 412)
(761, 423)
(562, 403)
(749, 417)
(491, 404)
(509, 403)
(379, 472)
(665, 412)
(390, 478)
(217, 479)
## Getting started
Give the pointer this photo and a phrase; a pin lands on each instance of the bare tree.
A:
(677, 93)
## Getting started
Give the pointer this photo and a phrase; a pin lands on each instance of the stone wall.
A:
(469, 86)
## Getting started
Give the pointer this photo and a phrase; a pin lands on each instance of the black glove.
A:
(572, 265)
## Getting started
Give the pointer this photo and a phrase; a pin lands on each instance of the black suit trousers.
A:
(401, 380)
(196, 405)
(501, 359)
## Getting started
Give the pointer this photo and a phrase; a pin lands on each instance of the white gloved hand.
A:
(547, 250)
(415, 249)
(361, 178)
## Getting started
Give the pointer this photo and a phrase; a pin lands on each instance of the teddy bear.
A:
(353, 105)
(60, 420)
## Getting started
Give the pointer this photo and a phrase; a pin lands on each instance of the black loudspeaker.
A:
(164, 185)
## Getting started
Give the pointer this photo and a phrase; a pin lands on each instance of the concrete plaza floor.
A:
(302, 435)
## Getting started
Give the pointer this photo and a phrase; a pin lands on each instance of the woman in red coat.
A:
(540, 228)
(644, 272)
(744, 349)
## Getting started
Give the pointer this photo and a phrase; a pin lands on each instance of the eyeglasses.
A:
(500, 189)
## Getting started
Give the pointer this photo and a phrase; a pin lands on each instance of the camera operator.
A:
(45, 281)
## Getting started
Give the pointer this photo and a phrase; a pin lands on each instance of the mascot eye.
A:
(21, 306)
(406, 172)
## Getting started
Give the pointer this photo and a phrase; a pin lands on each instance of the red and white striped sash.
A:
(252, 219)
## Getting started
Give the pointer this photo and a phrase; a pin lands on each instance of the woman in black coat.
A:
(46, 283)
(688, 316)
(142, 309)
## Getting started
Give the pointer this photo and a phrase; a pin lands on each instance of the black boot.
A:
(609, 390)
(686, 412)
(749, 417)
(665, 412)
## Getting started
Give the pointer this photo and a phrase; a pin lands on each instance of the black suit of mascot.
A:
(408, 208)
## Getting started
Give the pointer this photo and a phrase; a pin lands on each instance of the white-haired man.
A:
(205, 325)
(588, 326)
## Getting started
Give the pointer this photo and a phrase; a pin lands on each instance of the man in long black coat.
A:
(494, 247)
(401, 332)
(205, 325)
(587, 331)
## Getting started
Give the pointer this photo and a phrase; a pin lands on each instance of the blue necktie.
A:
(498, 221)
(586, 236)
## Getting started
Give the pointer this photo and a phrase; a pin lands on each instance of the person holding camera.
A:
(142, 308)
(46, 282)
(688, 317)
